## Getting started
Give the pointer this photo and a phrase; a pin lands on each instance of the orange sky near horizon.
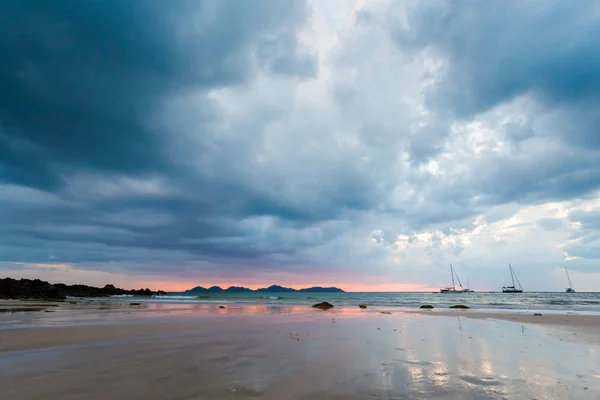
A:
(180, 287)
(69, 274)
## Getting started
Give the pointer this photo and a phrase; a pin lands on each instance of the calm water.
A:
(510, 301)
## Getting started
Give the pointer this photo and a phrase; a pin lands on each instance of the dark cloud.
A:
(80, 80)
(496, 51)
(81, 84)
(200, 134)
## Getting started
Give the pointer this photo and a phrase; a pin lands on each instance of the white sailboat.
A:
(453, 289)
(513, 288)
(570, 288)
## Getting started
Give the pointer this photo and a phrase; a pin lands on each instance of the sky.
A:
(361, 144)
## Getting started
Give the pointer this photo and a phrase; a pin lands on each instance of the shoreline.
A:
(275, 352)
(96, 315)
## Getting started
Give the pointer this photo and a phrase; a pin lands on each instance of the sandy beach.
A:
(93, 350)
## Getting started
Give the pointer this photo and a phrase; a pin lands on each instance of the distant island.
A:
(270, 289)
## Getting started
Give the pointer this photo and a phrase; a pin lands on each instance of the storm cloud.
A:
(375, 142)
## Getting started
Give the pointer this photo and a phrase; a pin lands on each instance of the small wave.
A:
(273, 297)
(167, 297)
(122, 295)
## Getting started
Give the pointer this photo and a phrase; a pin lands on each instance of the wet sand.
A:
(84, 352)
(582, 327)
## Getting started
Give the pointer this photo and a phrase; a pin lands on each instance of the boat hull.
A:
(512, 291)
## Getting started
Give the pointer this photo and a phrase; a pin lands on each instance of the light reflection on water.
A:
(348, 354)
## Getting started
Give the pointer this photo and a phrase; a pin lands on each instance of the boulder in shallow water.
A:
(537, 315)
(323, 306)
(460, 306)
(221, 306)
(363, 306)
(426, 306)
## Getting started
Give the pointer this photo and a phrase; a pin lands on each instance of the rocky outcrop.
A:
(323, 306)
(363, 306)
(460, 306)
(29, 289)
(426, 306)
(38, 289)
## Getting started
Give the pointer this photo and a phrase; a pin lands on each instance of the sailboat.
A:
(512, 289)
(570, 288)
(452, 289)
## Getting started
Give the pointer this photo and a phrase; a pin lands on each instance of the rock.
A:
(29, 289)
(37, 289)
(385, 312)
(135, 304)
(221, 306)
(21, 309)
(362, 306)
(426, 306)
(537, 315)
(323, 306)
(460, 306)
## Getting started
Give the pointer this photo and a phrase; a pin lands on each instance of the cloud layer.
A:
(356, 143)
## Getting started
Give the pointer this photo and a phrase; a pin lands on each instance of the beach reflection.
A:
(287, 352)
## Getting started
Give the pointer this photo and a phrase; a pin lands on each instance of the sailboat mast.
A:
(512, 275)
(452, 274)
(568, 277)
(458, 279)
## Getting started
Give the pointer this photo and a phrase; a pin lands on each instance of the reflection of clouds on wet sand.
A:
(298, 353)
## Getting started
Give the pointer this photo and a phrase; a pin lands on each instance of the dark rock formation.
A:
(37, 289)
(426, 306)
(323, 306)
(221, 306)
(537, 315)
(29, 289)
(363, 306)
(21, 309)
(460, 306)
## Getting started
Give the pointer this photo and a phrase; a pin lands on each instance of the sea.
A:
(558, 301)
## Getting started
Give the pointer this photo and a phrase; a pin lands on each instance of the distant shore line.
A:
(37, 289)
